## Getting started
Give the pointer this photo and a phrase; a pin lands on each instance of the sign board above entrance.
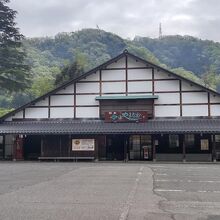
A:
(126, 116)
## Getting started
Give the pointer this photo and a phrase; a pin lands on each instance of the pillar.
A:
(42, 146)
(213, 148)
(184, 148)
(154, 149)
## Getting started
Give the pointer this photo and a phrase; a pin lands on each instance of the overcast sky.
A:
(127, 18)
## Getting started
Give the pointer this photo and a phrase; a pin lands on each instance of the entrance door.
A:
(32, 147)
(140, 147)
(115, 147)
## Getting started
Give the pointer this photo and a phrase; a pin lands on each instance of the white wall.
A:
(86, 100)
(167, 98)
(167, 111)
(214, 99)
(62, 112)
(113, 87)
(215, 110)
(186, 86)
(87, 112)
(145, 86)
(36, 113)
(136, 74)
(195, 110)
(166, 85)
(195, 97)
(87, 87)
(62, 100)
(135, 63)
(113, 75)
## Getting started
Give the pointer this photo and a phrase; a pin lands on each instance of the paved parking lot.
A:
(109, 191)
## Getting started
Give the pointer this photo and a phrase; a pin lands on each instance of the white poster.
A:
(83, 144)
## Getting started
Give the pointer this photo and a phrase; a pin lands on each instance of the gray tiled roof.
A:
(100, 127)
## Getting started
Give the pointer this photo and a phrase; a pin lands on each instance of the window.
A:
(189, 140)
(217, 138)
(174, 141)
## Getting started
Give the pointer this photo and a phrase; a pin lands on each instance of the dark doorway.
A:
(32, 147)
(140, 147)
(115, 145)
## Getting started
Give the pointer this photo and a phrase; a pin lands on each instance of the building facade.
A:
(124, 109)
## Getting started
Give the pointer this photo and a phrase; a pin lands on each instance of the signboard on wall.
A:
(126, 116)
(83, 144)
(204, 144)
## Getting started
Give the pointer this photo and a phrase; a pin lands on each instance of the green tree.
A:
(13, 71)
(73, 70)
(69, 72)
(211, 79)
(41, 85)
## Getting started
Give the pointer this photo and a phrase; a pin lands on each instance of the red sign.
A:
(126, 116)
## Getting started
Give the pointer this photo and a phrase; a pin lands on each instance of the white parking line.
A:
(181, 190)
(161, 174)
(189, 181)
(169, 190)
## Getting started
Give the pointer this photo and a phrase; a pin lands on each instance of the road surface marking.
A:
(169, 190)
(131, 195)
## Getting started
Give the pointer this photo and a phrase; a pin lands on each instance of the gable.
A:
(125, 75)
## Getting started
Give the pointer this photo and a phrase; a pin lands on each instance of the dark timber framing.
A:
(126, 75)
(49, 102)
(74, 100)
(181, 101)
(209, 110)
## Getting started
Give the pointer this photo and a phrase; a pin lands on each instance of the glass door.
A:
(140, 147)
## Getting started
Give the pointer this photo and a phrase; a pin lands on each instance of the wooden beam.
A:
(74, 100)
(153, 88)
(126, 74)
(209, 109)
(181, 99)
(24, 113)
(49, 102)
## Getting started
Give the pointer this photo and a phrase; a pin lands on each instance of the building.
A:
(124, 109)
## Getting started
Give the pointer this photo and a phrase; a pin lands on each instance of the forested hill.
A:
(55, 59)
(198, 56)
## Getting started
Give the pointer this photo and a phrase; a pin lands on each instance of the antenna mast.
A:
(160, 31)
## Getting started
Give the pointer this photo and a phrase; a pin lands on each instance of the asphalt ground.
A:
(69, 191)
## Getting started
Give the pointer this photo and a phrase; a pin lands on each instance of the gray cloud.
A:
(126, 18)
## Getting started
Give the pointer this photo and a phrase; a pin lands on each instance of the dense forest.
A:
(54, 60)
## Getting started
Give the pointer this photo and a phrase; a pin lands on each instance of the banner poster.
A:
(83, 144)
(204, 144)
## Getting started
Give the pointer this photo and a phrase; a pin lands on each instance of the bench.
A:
(66, 158)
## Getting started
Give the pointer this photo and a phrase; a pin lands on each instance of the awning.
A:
(131, 97)
(154, 126)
